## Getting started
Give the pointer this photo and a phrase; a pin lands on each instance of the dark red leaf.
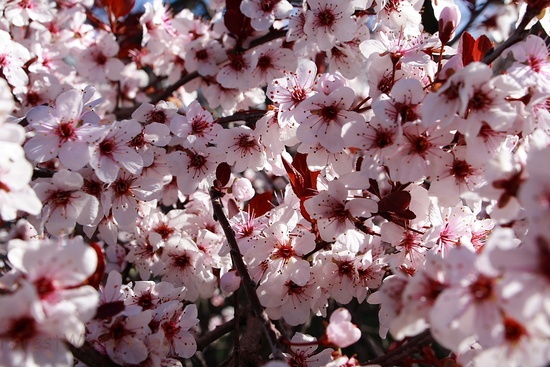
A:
(236, 22)
(119, 8)
(472, 49)
(310, 177)
(395, 202)
(482, 46)
(260, 204)
(295, 177)
(110, 309)
(223, 173)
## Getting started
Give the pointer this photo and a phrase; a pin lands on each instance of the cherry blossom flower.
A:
(20, 13)
(243, 148)
(182, 261)
(471, 300)
(271, 60)
(15, 174)
(99, 60)
(64, 131)
(235, 73)
(125, 338)
(420, 148)
(389, 297)
(329, 23)
(12, 59)
(419, 297)
(192, 166)
(203, 55)
(284, 253)
(27, 336)
(264, 12)
(288, 300)
(112, 153)
(176, 324)
(326, 114)
(401, 106)
(57, 272)
(197, 127)
(305, 355)
(531, 67)
(124, 194)
(332, 210)
(456, 177)
(290, 91)
(64, 203)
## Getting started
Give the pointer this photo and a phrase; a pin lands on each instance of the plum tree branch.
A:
(519, 34)
(395, 356)
(247, 283)
(91, 357)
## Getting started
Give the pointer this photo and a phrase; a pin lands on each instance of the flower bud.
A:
(448, 21)
(230, 281)
(242, 189)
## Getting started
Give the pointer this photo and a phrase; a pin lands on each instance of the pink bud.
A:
(230, 281)
(242, 189)
(340, 331)
(448, 21)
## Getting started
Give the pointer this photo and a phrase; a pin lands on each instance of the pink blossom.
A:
(329, 23)
(263, 12)
(65, 131)
(112, 153)
(305, 355)
(65, 203)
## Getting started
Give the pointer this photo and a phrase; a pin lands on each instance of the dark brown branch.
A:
(188, 77)
(248, 116)
(213, 335)
(397, 355)
(247, 283)
(174, 87)
(473, 16)
(91, 357)
(519, 35)
(272, 35)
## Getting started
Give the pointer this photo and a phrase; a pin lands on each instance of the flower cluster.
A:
(158, 167)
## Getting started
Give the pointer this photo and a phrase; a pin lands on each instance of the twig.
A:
(218, 332)
(187, 78)
(91, 357)
(248, 116)
(247, 283)
(518, 35)
(414, 345)
(174, 87)
(473, 16)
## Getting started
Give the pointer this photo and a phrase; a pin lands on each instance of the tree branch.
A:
(213, 335)
(414, 345)
(518, 35)
(174, 87)
(91, 357)
(247, 283)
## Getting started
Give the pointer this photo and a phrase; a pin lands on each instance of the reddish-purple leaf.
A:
(119, 8)
(395, 202)
(260, 204)
(223, 173)
(110, 309)
(472, 49)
